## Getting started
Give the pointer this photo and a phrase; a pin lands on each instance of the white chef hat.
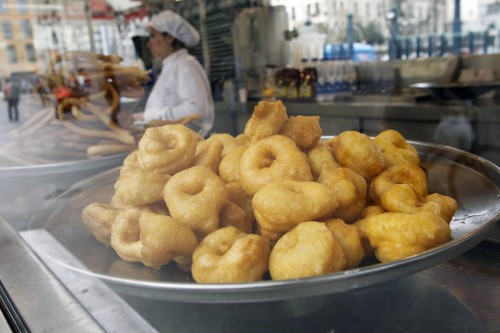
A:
(173, 24)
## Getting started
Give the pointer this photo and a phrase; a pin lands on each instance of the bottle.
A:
(308, 82)
(292, 82)
(351, 77)
(280, 84)
(229, 92)
(320, 86)
(269, 90)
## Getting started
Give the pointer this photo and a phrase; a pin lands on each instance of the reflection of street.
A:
(28, 106)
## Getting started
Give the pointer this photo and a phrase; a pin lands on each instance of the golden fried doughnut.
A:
(138, 186)
(241, 198)
(158, 207)
(307, 250)
(367, 212)
(372, 210)
(209, 154)
(320, 157)
(408, 174)
(273, 158)
(164, 239)
(243, 139)
(358, 152)
(350, 191)
(98, 218)
(233, 215)
(229, 255)
(228, 142)
(395, 149)
(229, 167)
(154, 240)
(401, 198)
(195, 196)
(132, 158)
(281, 205)
(266, 120)
(447, 205)
(125, 237)
(305, 131)
(399, 235)
(168, 149)
(349, 238)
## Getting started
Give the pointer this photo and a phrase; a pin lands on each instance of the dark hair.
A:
(176, 44)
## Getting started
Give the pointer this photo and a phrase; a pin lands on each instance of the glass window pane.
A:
(21, 6)
(11, 54)
(7, 29)
(30, 52)
(28, 33)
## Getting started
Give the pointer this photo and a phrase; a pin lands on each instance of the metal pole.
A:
(457, 29)
(408, 48)
(485, 42)
(350, 36)
(444, 44)
(395, 32)
(419, 46)
(204, 36)
(430, 46)
(88, 16)
(471, 42)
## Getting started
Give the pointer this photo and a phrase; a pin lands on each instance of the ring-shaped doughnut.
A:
(307, 250)
(395, 149)
(321, 157)
(409, 174)
(229, 167)
(305, 131)
(163, 239)
(281, 205)
(138, 186)
(99, 218)
(349, 238)
(229, 255)
(209, 154)
(270, 159)
(125, 237)
(266, 120)
(401, 198)
(350, 191)
(168, 149)
(195, 196)
(399, 235)
(358, 152)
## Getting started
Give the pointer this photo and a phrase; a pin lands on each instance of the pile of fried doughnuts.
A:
(275, 202)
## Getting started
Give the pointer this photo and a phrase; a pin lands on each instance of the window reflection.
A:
(11, 54)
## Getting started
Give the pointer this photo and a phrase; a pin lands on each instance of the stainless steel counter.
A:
(461, 295)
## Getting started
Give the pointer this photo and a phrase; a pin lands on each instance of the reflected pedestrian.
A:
(12, 92)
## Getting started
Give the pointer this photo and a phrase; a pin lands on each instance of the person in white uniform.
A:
(182, 88)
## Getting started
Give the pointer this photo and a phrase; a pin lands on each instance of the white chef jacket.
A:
(182, 89)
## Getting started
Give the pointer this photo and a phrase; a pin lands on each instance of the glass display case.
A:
(75, 75)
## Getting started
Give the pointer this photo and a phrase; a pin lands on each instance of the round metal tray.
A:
(473, 181)
(26, 189)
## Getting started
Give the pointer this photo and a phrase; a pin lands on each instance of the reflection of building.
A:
(331, 15)
(72, 26)
(32, 33)
(17, 52)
